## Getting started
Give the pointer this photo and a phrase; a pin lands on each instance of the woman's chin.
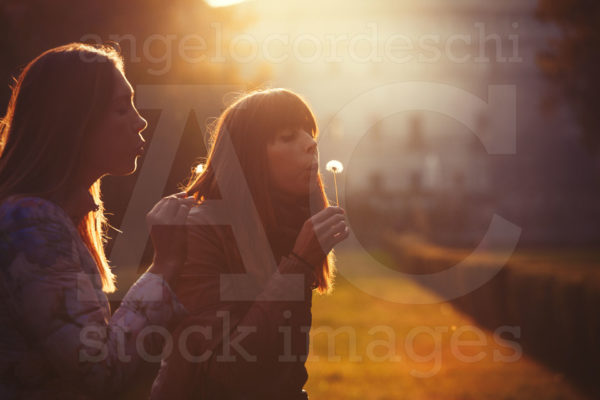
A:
(313, 186)
(125, 170)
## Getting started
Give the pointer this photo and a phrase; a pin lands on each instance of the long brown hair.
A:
(56, 101)
(251, 122)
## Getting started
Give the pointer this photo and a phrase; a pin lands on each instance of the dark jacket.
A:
(233, 350)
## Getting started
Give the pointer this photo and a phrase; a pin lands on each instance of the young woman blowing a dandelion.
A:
(263, 168)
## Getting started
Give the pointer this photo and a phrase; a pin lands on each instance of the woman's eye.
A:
(123, 107)
(288, 137)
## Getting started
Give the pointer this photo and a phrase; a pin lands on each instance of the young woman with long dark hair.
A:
(262, 219)
(71, 121)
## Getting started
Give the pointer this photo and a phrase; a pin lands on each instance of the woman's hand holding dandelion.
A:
(320, 233)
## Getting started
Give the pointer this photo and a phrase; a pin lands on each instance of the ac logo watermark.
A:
(464, 107)
(176, 101)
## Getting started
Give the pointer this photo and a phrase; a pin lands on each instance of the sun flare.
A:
(223, 3)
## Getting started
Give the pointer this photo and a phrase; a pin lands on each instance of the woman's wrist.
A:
(302, 260)
(164, 268)
(308, 268)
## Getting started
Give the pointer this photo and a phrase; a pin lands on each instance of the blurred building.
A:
(421, 161)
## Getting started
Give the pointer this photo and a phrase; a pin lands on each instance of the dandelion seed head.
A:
(334, 166)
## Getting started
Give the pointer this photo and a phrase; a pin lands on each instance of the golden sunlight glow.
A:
(223, 3)
(199, 168)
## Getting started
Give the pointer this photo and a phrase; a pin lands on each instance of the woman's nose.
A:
(141, 123)
(311, 145)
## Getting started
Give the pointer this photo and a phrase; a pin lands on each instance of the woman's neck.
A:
(283, 199)
(77, 201)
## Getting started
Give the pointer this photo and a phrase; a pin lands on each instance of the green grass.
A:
(391, 364)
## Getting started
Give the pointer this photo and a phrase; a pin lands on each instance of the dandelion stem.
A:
(336, 192)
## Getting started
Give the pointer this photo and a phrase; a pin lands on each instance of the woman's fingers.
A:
(324, 227)
(331, 231)
(182, 212)
(154, 213)
(170, 210)
(335, 229)
(327, 213)
(320, 233)
(335, 235)
(342, 236)
(338, 237)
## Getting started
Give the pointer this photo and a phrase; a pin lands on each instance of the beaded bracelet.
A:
(308, 265)
(302, 260)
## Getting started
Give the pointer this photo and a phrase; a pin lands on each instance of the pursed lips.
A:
(312, 168)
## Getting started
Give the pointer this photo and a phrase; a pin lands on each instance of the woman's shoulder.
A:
(35, 227)
(19, 210)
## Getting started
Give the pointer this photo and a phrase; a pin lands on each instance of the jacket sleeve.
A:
(269, 344)
(62, 312)
(227, 346)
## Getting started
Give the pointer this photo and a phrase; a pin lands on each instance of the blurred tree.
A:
(572, 62)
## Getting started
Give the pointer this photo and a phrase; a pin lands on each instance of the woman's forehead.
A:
(122, 86)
